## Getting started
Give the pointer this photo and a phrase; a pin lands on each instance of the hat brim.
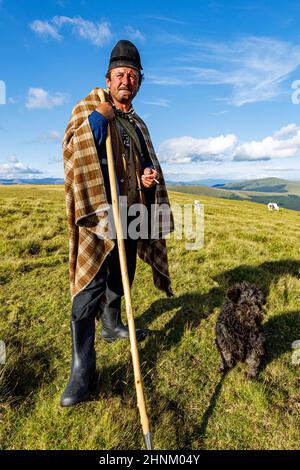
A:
(124, 63)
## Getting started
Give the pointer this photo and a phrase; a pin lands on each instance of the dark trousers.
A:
(108, 280)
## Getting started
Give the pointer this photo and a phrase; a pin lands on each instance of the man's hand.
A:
(148, 178)
(106, 110)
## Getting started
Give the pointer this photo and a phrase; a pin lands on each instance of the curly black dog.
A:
(239, 332)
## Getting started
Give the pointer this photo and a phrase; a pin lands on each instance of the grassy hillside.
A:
(285, 193)
(191, 406)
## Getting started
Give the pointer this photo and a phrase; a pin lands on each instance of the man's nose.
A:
(125, 79)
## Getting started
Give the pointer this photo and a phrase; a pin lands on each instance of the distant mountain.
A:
(263, 185)
(284, 193)
(8, 182)
(207, 182)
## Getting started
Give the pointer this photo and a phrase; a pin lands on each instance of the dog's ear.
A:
(234, 294)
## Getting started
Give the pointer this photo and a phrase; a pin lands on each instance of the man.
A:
(95, 277)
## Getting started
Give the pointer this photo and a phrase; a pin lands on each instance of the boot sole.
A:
(111, 340)
(69, 401)
(72, 402)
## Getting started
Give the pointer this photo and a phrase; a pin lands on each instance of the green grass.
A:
(191, 406)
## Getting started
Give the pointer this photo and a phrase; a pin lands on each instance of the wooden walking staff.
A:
(126, 287)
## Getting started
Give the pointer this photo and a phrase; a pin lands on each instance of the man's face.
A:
(123, 84)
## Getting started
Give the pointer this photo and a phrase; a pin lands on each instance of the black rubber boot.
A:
(83, 362)
(113, 328)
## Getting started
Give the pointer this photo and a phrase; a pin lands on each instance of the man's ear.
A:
(107, 82)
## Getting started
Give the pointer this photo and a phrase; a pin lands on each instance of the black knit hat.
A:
(125, 54)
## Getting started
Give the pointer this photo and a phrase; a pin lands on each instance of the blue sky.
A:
(221, 94)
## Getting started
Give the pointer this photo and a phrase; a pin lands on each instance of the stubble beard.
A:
(125, 98)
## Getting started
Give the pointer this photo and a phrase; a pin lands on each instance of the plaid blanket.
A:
(87, 207)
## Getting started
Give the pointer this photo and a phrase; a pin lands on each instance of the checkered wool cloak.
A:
(87, 206)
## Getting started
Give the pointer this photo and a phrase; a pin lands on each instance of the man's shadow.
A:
(191, 309)
(264, 275)
(280, 332)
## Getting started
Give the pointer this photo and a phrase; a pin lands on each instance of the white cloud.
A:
(55, 159)
(272, 146)
(158, 102)
(97, 34)
(281, 169)
(224, 149)
(45, 138)
(51, 136)
(286, 130)
(218, 113)
(188, 149)
(254, 67)
(15, 168)
(165, 18)
(166, 80)
(134, 34)
(40, 98)
(228, 158)
(13, 100)
(240, 172)
(44, 28)
(12, 158)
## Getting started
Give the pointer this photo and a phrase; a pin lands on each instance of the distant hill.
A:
(284, 193)
(264, 185)
(207, 182)
(9, 182)
(215, 182)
